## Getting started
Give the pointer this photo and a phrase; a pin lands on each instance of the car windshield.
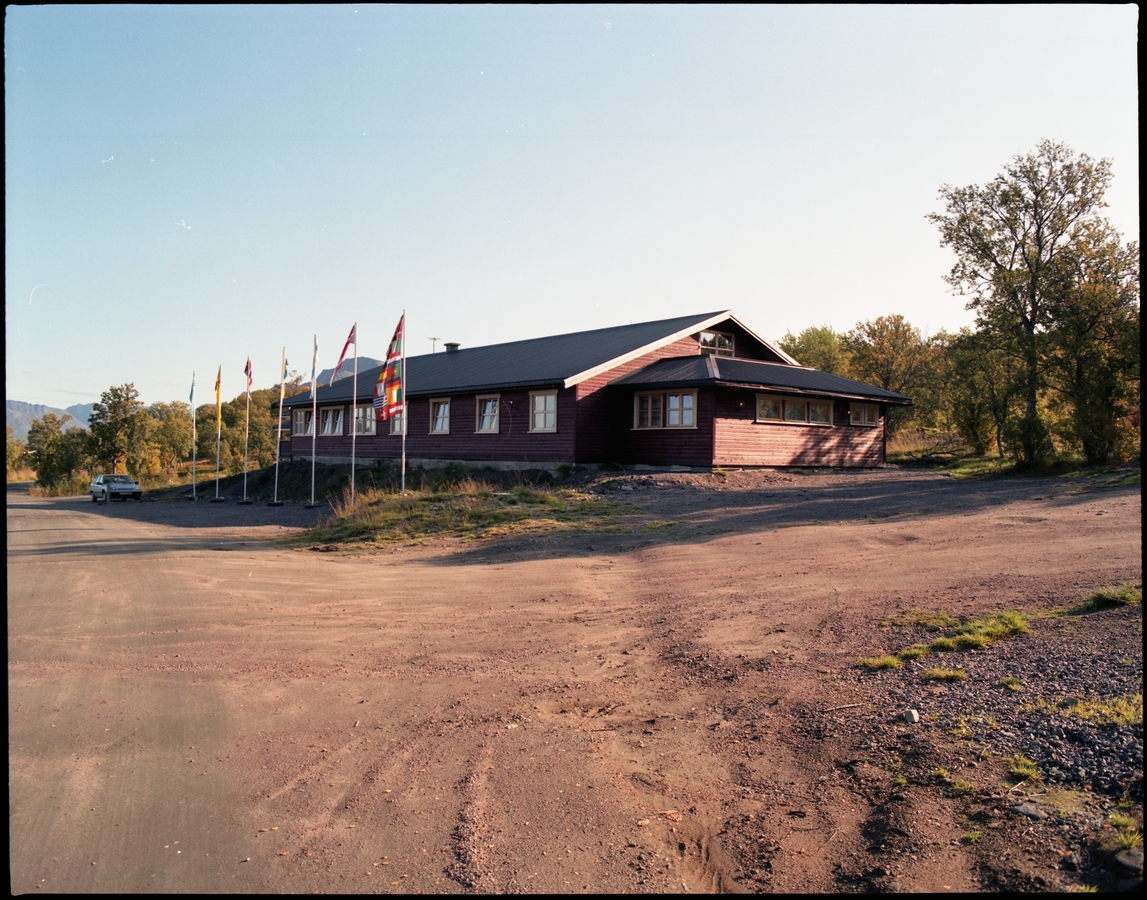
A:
(119, 479)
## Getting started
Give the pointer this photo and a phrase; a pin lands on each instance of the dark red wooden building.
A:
(697, 391)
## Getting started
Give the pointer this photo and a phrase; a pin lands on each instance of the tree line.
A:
(1052, 365)
(125, 435)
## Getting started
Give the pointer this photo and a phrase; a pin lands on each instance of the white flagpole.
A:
(193, 436)
(279, 441)
(404, 408)
(354, 413)
(314, 413)
(247, 432)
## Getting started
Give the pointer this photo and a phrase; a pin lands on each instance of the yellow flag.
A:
(218, 406)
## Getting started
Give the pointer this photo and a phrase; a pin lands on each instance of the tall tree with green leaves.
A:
(54, 453)
(819, 347)
(117, 426)
(172, 432)
(1008, 237)
(15, 449)
(1093, 339)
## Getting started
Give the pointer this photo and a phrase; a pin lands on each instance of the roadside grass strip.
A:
(1126, 709)
(468, 509)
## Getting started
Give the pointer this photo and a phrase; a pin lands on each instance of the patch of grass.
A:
(466, 507)
(1129, 840)
(1126, 709)
(878, 662)
(962, 729)
(941, 674)
(1086, 889)
(922, 618)
(943, 645)
(941, 772)
(960, 788)
(1011, 683)
(899, 781)
(1122, 821)
(1023, 768)
(916, 651)
(970, 837)
(1127, 593)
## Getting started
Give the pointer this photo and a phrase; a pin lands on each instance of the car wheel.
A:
(93, 496)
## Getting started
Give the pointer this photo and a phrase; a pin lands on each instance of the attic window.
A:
(716, 342)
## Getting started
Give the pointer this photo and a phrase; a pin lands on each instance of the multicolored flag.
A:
(191, 399)
(351, 339)
(247, 372)
(388, 393)
(218, 405)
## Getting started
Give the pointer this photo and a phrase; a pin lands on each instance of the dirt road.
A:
(195, 707)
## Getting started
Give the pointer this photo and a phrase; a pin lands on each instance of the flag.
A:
(247, 372)
(284, 367)
(315, 366)
(191, 399)
(218, 406)
(351, 339)
(388, 393)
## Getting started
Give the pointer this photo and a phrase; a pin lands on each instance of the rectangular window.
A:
(440, 416)
(716, 342)
(677, 410)
(304, 422)
(331, 422)
(820, 412)
(398, 423)
(769, 409)
(544, 411)
(796, 411)
(648, 411)
(364, 422)
(864, 414)
(787, 409)
(487, 415)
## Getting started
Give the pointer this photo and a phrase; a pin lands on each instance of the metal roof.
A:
(729, 372)
(560, 360)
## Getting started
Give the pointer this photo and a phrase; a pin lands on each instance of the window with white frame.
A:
(864, 414)
(487, 415)
(364, 422)
(398, 423)
(331, 421)
(440, 416)
(793, 411)
(665, 410)
(304, 422)
(544, 411)
(716, 342)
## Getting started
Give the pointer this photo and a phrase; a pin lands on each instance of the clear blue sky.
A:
(190, 185)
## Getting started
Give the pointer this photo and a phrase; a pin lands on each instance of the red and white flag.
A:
(389, 400)
(247, 372)
(352, 338)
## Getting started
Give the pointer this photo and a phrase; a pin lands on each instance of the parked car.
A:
(115, 487)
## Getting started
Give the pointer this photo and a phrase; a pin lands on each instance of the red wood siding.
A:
(514, 440)
(601, 420)
(741, 441)
(666, 446)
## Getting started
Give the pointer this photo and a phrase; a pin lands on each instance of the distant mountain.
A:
(20, 415)
(81, 412)
(364, 363)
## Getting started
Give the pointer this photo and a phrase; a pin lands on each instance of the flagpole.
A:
(193, 436)
(314, 413)
(354, 412)
(247, 434)
(402, 376)
(218, 430)
(279, 441)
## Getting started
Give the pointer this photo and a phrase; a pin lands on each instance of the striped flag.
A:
(352, 338)
(388, 393)
(247, 372)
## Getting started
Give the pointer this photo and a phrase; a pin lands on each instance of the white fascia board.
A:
(777, 350)
(699, 325)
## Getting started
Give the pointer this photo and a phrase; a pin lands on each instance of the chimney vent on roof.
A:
(451, 346)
